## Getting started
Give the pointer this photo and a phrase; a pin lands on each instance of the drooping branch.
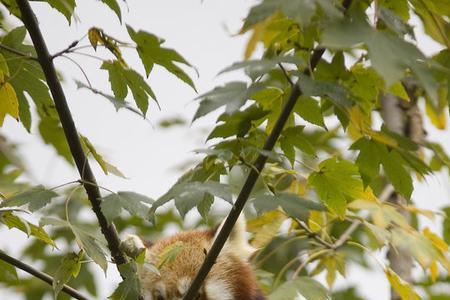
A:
(252, 178)
(70, 131)
(40, 275)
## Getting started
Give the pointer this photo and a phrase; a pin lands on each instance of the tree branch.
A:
(70, 131)
(252, 177)
(40, 275)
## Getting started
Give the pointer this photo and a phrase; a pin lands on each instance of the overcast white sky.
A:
(202, 33)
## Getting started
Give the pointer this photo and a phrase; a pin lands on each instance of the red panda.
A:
(231, 277)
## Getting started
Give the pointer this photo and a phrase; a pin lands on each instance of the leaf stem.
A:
(70, 131)
(40, 275)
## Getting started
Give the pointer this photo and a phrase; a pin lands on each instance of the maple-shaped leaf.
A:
(232, 95)
(151, 52)
(123, 78)
(337, 182)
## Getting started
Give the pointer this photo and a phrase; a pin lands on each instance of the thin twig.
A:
(286, 74)
(314, 235)
(70, 131)
(40, 275)
(66, 50)
(17, 52)
(346, 235)
(79, 67)
(252, 177)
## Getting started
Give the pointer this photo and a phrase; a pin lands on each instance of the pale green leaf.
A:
(135, 204)
(232, 95)
(402, 288)
(13, 221)
(292, 204)
(309, 288)
(35, 198)
(70, 267)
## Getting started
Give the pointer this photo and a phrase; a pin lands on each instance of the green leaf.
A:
(395, 22)
(259, 67)
(337, 182)
(294, 137)
(402, 288)
(389, 54)
(66, 7)
(292, 204)
(238, 123)
(28, 77)
(115, 7)
(106, 166)
(187, 195)
(309, 109)
(169, 254)
(134, 203)
(335, 92)
(232, 95)
(8, 273)
(129, 288)
(122, 77)
(446, 224)
(299, 10)
(309, 288)
(13, 221)
(151, 53)
(70, 267)
(368, 160)
(118, 103)
(36, 198)
(393, 167)
(365, 85)
(92, 244)
(53, 134)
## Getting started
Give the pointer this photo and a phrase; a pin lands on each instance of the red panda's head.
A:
(231, 277)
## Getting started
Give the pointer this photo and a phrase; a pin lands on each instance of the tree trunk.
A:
(404, 118)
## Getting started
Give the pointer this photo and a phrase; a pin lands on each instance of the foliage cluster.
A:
(334, 200)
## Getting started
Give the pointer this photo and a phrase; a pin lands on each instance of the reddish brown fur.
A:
(229, 268)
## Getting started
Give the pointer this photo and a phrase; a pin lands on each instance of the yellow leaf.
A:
(265, 227)
(439, 243)
(398, 90)
(382, 138)
(434, 271)
(438, 117)
(95, 37)
(402, 288)
(256, 36)
(424, 212)
(317, 220)
(331, 271)
(8, 102)
(358, 120)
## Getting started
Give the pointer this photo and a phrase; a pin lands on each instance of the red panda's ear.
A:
(133, 245)
(237, 241)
